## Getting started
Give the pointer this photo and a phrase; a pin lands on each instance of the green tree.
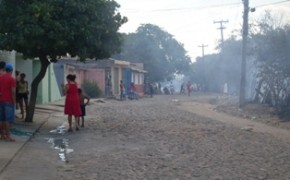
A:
(48, 29)
(162, 55)
(214, 70)
(272, 45)
(91, 89)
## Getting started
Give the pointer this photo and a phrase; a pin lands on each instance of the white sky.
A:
(191, 21)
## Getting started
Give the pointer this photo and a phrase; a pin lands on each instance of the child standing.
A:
(22, 94)
(84, 101)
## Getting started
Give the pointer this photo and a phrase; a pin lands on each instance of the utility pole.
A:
(244, 48)
(203, 67)
(221, 28)
(203, 46)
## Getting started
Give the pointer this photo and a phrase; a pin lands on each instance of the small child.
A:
(84, 100)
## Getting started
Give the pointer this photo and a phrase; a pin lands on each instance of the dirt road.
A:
(165, 137)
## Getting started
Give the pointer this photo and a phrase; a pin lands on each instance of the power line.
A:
(202, 7)
(188, 8)
(274, 3)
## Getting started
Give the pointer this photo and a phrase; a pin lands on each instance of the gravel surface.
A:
(154, 138)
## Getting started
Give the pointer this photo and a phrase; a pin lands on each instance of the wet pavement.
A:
(22, 132)
(59, 142)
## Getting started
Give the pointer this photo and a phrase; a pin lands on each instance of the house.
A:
(107, 73)
(48, 89)
(135, 74)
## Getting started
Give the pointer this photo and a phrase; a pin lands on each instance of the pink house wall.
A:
(139, 89)
(93, 75)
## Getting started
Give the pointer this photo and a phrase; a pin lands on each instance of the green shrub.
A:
(91, 89)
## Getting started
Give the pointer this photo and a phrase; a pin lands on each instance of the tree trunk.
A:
(34, 87)
(258, 91)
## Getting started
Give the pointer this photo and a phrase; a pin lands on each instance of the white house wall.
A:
(25, 66)
(8, 57)
(137, 78)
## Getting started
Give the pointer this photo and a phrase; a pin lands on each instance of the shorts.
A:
(83, 110)
(7, 112)
(21, 96)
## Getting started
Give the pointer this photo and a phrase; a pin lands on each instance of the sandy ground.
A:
(156, 138)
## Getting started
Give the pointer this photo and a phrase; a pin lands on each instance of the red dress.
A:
(72, 104)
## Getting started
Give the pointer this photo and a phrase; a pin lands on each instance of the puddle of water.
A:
(59, 129)
(18, 132)
(60, 144)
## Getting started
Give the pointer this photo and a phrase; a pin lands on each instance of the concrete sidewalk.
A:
(22, 132)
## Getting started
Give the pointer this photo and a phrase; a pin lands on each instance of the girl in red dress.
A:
(72, 102)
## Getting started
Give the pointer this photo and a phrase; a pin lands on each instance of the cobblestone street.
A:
(154, 138)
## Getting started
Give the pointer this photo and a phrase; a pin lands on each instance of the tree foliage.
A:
(214, 70)
(47, 29)
(86, 28)
(268, 65)
(162, 55)
(91, 89)
(273, 62)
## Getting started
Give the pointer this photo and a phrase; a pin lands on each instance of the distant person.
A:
(182, 90)
(84, 101)
(188, 88)
(194, 87)
(166, 90)
(225, 89)
(17, 76)
(7, 101)
(72, 105)
(22, 94)
(151, 90)
(171, 87)
(133, 94)
(122, 93)
(109, 92)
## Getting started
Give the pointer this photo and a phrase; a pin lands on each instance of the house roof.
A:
(90, 63)
(138, 70)
(119, 62)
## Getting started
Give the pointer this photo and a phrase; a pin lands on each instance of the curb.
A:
(25, 142)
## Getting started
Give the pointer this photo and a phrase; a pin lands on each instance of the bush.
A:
(91, 89)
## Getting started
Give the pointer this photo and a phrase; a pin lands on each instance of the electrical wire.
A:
(200, 7)
(204, 7)
(189, 8)
(274, 3)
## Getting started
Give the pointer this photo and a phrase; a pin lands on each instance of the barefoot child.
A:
(84, 100)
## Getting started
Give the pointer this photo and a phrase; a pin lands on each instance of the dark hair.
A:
(22, 75)
(2, 64)
(71, 77)
(80, 90)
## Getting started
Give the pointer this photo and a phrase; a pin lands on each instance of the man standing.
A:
(7, 101)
